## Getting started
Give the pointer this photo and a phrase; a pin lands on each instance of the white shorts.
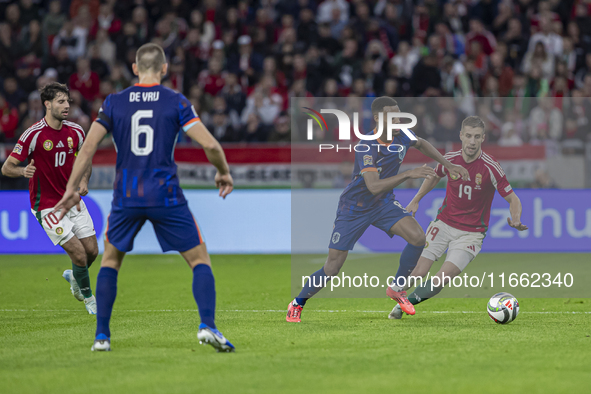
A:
(441, 236)
(75, 223)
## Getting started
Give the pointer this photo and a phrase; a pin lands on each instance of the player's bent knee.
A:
(79, 259)
(91, 257)
(418, 239)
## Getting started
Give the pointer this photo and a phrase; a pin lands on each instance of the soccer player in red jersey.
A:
(462, 220)
(51, 146)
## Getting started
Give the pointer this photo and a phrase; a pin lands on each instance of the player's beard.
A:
(59, 115)
(473, 155)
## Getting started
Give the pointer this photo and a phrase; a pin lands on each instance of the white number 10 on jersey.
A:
(467, 190)
(137, 129)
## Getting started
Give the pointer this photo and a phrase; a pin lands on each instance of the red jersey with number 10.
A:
(54, 152)
(467, 204)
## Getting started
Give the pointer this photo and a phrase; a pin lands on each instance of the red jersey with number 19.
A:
(54, 152)
(467, 204)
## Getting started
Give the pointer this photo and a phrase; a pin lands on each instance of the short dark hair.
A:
(379, 103)
(150, 57)
(51, 90)
(473, 121)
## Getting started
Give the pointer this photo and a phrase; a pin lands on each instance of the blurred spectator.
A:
(516, 42)
(509, 136)
(106, 20)
(107, 51)
(503, 73)
(539, 57)
(97, 64)
(347, 62)
(212, 79)
(233, 94)
(12, 93)
(552, 41)
(479, 34)
(73, 38)
(405, 60)
(325, 10)
(31, 40)
(36, 110)
(129, 39)
(221, 127)
(245, 62)
(8, 120)
(542, 180)
(447, 127)
(85, 80)
(425, 76)
(545, 121)
(28, 69)
(13, 18)
(53, 20)
(261, 102)
(8, 49)
(119, 78)
(62, 64)
(282, 130)
(254, 130)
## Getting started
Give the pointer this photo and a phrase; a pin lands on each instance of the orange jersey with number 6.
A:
(54, 152)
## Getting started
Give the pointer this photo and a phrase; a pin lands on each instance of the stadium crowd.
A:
(238, 61)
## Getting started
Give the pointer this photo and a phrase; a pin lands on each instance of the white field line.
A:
(270, 311)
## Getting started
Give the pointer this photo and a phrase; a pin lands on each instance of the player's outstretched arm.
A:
(428, 184)
(215, 155)
(515, 209)
(12, 168)
(429, 150)
(376, 185)
(83, 161)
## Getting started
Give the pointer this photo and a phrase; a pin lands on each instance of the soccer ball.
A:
(503, 308)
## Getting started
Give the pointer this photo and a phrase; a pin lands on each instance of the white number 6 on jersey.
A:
(137, 129)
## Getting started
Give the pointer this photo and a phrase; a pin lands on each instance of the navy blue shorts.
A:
(175, 227)
(349, 226)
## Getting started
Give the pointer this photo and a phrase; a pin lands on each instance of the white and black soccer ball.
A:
(503, 308)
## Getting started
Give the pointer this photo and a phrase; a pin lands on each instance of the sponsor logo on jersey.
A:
(18, 148)
(336, 237)
(367, 160)
(59, 231)
(508, 188)
(454, 177)
(70, 143)
(472, 248)
(48, 145)
(60, 145)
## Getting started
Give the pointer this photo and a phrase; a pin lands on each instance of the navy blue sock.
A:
(106, 291)
(312, 286)
(204, 293)
(408, 261)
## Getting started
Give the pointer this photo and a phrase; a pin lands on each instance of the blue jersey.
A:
(145, 121)
(376, 156)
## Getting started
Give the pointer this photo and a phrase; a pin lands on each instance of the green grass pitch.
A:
(46, 335)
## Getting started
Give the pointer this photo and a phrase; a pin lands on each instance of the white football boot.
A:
(74, 288)
(396, 313)
(101, 344)
(211, 336)
(90, 304)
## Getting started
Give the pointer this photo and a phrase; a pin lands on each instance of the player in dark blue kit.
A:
(145, 121)
(369, 200)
